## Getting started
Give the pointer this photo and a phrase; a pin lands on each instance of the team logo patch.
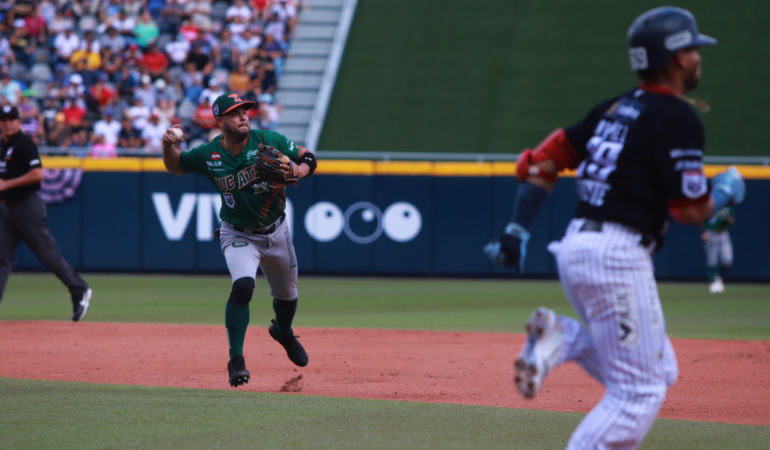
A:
(237, 244)
(694, 184)
(215, 156)
(216, 109)
(628, 328)
(236, 97)
(678, 40)
(638, 56)
(8, 154)
(229, 200)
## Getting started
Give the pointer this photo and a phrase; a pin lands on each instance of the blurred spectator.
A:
(275, 27)
(199, 12)
(226, 54)
(261, 8)
(78, 142)
(74, 112)
(90, 37)
(61, 22)
(204, 118)
(47, 11)
(192, 81)
(133, 56)
(189, 30)
(10, 89)
(146, 31)
(129, 136)
(240, 80)
(178, 50)
(124, 23)
(21, 44)
(127, 82)
(102, 148)
(154, 61)
(153, 132)
(28, 107)
(201, 62)
(114, 41)
(108, 128)
(66, 43)
(35, 25)
(101, 94)
(276, 52)
(60, 132)
(6, 53)
(246, 41)
(138, 114)
(237, 26)
(146, 92)
(240, 10)
(269, 111)
(214, 90)
(86, 58)
(111, 63)
(172, 15)
(206, 42)
(166, 109)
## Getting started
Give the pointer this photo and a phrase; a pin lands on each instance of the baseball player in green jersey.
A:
(253, 232)
(719, 248)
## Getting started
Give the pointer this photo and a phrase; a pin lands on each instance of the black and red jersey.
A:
(641, 153)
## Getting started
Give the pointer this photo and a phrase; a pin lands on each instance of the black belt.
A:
(262, 231)
(596, 225)
(11, 202)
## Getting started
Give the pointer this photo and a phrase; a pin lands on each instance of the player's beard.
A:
(234, 133)
(693, 79)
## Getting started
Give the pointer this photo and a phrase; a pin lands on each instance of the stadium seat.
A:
(87, 23)
(186, 109)
(219, 11)
(19, 72)
(41, 72)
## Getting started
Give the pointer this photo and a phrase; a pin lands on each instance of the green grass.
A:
(459, 76)
(65, 415)
(742, 312)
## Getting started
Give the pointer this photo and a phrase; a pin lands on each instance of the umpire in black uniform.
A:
(23, 212)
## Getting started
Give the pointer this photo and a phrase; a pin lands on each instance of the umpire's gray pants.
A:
(25, 221)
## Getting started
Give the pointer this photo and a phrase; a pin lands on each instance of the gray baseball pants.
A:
(719, 249)
(25, 221)
(274, 252)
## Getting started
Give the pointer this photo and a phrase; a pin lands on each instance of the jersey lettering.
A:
(246, 176)
(225, 183)
(604, 149)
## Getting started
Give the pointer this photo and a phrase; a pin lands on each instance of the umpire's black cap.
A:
(658, 34)
(9, 112)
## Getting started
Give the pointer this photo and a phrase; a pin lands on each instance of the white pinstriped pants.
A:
(608, 278)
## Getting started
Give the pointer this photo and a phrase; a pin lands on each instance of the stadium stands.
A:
(93, 75)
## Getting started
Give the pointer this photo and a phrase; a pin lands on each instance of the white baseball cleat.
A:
(538, 357)
(717, 286)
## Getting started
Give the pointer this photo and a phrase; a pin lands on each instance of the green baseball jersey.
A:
(721, 221)
(247, 200)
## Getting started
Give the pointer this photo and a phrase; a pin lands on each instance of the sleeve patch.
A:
(34, 162)
(694, 184)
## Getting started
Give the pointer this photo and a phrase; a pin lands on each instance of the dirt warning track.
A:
(720, 381)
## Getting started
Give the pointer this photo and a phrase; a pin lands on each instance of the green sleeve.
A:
(283, 144)
(194, 160)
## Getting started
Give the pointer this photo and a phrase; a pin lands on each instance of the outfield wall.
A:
(354, 217)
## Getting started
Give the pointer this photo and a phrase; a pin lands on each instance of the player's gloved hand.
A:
(731, 184)
(510, 248)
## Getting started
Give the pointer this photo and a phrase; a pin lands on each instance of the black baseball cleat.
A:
(237, 370)
(80, 305)
(294, 349)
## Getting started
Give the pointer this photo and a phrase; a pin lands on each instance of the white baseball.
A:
(177, 133)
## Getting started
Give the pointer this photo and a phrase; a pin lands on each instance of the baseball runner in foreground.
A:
(250, 169)
(719, 248)
(638, 160)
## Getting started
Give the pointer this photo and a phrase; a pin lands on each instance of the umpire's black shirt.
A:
(18, 156)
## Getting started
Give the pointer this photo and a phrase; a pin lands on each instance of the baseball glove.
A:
(269, 168)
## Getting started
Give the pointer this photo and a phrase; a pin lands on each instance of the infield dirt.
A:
(720, 381)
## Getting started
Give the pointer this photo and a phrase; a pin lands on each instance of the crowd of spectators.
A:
(95, 75)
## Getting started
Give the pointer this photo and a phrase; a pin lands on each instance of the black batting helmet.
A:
(658, 34)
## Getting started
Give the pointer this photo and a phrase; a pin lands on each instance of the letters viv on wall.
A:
(367, 225)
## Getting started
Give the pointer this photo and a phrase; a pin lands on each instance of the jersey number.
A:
(605, 148)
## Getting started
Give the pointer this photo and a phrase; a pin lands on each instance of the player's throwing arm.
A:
(638, 158)
(250, 169)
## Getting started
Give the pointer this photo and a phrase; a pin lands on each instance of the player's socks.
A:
(723, 270)
(236, 322)
(284, 314)
(712, 272)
